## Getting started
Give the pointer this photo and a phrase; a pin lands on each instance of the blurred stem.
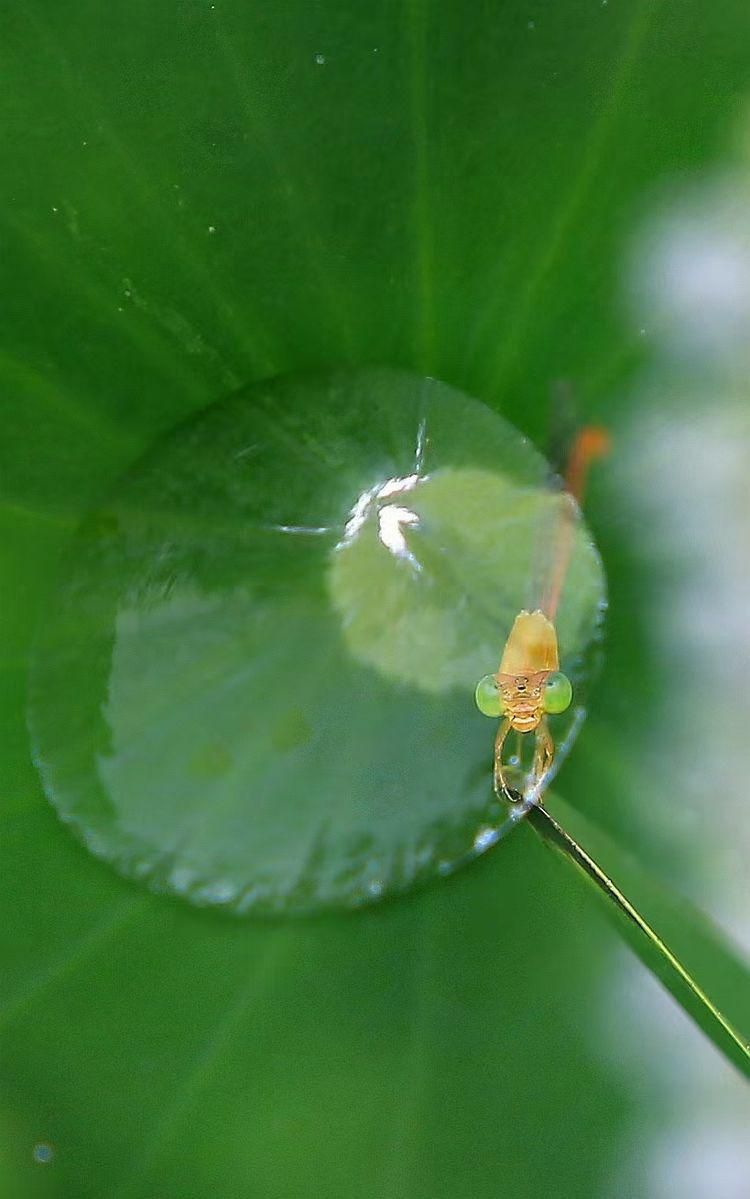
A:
(655, 954)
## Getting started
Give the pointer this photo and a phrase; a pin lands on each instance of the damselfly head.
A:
(523, 698)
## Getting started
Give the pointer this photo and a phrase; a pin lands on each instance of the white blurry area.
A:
(689, 278)
(683, 482)
(691, 1138)
(686, 480)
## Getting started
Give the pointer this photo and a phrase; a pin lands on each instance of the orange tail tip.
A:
(592, 442)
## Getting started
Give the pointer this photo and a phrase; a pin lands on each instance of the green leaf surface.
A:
(194, 197)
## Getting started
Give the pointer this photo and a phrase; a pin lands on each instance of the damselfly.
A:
(528, 685)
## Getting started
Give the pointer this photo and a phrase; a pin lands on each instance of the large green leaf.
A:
(196, 196)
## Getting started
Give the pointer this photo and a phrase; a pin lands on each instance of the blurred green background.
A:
(196, 195)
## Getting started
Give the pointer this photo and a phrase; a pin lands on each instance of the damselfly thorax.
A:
(529, 657)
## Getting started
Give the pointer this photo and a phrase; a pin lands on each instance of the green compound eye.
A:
(489, 700)
(558, 693)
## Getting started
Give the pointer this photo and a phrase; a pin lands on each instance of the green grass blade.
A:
(709, 958)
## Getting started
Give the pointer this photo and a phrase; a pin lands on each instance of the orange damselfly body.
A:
(528, 685)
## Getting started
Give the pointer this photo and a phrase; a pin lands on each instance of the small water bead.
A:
(253, 686)
(485, 837)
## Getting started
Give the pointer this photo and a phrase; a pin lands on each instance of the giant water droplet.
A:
(255, 684)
